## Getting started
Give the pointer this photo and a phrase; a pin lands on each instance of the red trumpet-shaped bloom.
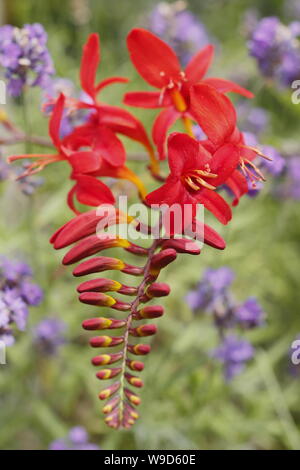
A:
(159, 66)
(216, 115)
(195, 173)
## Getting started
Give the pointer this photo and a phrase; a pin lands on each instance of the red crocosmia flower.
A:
(216, 115)
(195, 173)
(83, 163)
(157, 63)
(117, 119)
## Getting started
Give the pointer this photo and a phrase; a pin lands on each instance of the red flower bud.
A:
(111, 405)
(139, 349)
(97, 265)
(104, 359)
(132, 380)
(135, 365)
(97, 298)
(182, 245)
(106, 374)
(132, 397)
(109, 391)
(152, 311)
(158, 289)
(102, 323)
(106, 341)
(162, 259)
(143, 330)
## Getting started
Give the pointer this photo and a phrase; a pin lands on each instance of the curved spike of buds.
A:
(106, 341)
(103, 263)
(105, 359)
(135, 381)
(143, 330)
(139, 349)
(109, 391)
(106, 285)
(106, 374)
(132, 397)
(153, 311)
(182, 245)
(103, 300)
(161, 260)
(135, 365)
(111, 405)
(102, 323)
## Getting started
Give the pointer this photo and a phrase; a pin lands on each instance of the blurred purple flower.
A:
(277, 165)
(276, 48)
(77, 439)
(12, 270)
(252, 119)
(233, 353)
(173, 23)
(32, 293)
(250, 314)
(25, 57)
(49, 335)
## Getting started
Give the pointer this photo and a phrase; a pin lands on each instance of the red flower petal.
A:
(162, 123)
(121, 121)
(238, 184)
(147, 99)
(110, 81)
(85, 162)
(55, 120)
(89, 64)
(214, 112)
(199, 64)
(211, 237)
(93, 192)
(225, 86)
(110, 147)
(155, 61)
(185, 153)
(169, 193)
(224, 161)
(213, 202)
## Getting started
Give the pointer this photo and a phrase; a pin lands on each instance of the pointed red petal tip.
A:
(199, 64)
(89, 64)
(155, 61)
(55, 120)
(203, 232)
(214, 112)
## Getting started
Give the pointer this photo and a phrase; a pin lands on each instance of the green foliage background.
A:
(185, 403)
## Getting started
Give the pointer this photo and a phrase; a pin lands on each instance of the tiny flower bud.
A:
(135, 365)
(132, 397)
(139, 349)
(111, 405)
(97, 298)
(102, 323)
(104, 359)
(106, 374)
(143, 330)
(135, 381)
(99, 285)
(152, 311)
(106, 341)
(97, 265)
(182, 245)
(109, 391)
(158, 289)
(162, 259)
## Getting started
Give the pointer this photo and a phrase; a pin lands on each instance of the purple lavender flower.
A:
(233, 353)
(17, 292)
(173, 23)
(31, 293)
(252, 120)
(250, 314)
(211, 288)
(49, 335)
(77, 439)
(25, 57)
(277, 165)
(277, 49)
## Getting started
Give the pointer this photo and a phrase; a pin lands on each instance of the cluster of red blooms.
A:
(197, 170)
